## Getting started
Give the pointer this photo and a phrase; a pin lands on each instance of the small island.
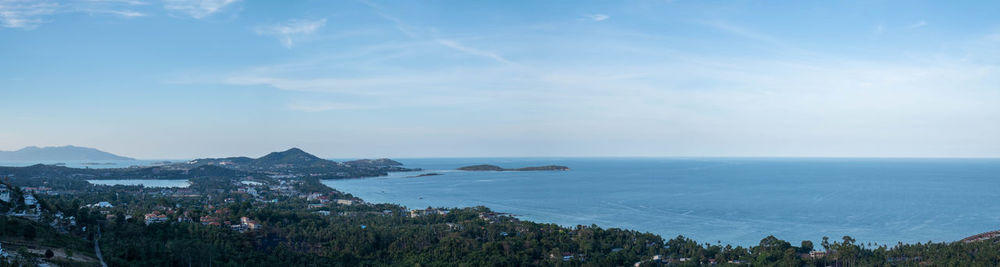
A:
(98, 163)
(487, 167)
(425, 175)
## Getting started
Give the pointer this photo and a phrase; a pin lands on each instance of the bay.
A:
(733, 200)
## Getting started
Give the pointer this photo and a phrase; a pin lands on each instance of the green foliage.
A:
(297, 237)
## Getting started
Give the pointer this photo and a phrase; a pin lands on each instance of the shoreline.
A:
(520, 214)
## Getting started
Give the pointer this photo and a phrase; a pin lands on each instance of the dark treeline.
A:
(366, 235)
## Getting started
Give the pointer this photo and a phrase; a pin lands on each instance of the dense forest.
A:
(385, 235)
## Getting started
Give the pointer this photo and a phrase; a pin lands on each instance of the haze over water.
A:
(736, 201)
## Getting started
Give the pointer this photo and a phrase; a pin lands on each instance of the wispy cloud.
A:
(197, 8)
(917, 24)
(597, 17)
(779, 101)
(123, 13)
(752, 34)
(400, 25)
(116, 2)
(744, 32)
(124, 8)
(296, 28)
(412, 32)
(25, 14)
(473, 51)
(28, 14)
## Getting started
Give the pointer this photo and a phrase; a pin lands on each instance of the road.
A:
(97, 248)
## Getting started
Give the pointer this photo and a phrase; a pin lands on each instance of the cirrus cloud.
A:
(28, 14)
(197, 8)
(25, 14)
(598, 17)
(296, 28)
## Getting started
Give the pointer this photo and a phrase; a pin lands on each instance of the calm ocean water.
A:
(736, 201)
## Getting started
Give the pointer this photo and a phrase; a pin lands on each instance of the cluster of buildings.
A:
(659, 259)
(246, 224)
(62, 222)
(29, 199)
(427, 211)
(155, 217)
(41, 190)
(31, 209)
(981, 237)
(28, 206)
(495, 217)
(817, 254)
(214, 219)
(567, 256)
(101, 205)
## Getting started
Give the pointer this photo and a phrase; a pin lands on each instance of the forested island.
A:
(425, 175)
(273, 211)
(487, 167)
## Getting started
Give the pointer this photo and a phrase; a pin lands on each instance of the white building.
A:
(4, 193)
(152, 218)
(30, 200)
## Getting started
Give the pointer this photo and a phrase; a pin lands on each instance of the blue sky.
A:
(190, 78)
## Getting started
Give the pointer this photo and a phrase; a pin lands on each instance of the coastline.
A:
(692, 212)
(325, 201)
(982, 236)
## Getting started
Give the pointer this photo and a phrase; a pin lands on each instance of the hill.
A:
(59, 153)
(293, 157)
(294, 161)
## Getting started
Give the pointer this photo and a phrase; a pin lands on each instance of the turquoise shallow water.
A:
(736, 201)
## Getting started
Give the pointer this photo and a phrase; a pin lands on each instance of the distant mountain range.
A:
(59, 153)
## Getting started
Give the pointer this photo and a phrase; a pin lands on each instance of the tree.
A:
(806, 247)
(29, 233)
(119, 218)
(24, 257)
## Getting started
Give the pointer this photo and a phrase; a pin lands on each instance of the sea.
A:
(736, 201)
